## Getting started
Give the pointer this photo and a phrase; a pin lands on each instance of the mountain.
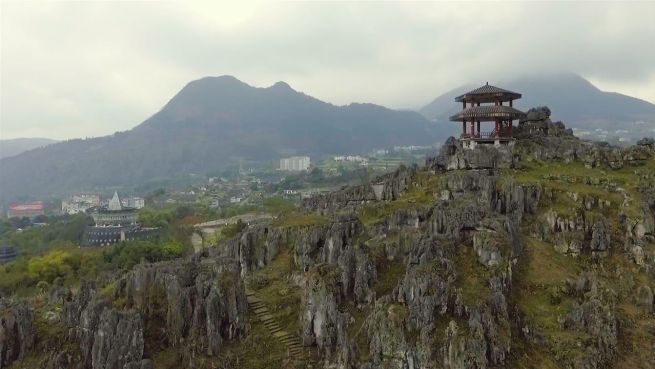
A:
(210, 123)
(571, 98)
(16, 146)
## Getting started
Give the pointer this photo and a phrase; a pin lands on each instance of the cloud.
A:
(76, 69)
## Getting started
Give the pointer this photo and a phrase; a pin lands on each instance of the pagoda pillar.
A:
(464, 127)
(478, 128)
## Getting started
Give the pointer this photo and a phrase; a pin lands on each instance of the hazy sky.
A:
(78, 69)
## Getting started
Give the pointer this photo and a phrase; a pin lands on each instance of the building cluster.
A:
(352, 158)
(114, 223)
(79, 203)
(295, 163)
(26, 209)
(82, 203)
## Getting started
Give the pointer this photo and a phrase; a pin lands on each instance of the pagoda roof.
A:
(488, 113)
(488, 93)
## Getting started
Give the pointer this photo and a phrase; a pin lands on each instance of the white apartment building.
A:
(295, 163)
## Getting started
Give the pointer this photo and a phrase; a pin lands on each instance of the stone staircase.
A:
(290, 341)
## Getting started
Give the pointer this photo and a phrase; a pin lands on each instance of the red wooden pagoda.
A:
(501, 115)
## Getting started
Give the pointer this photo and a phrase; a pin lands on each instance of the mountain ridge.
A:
(209, 123)
(15, 146)
(572, 98)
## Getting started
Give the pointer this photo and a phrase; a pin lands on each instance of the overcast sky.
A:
(81, 69)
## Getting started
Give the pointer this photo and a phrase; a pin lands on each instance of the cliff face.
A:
(195, 306)
(541, 256)
(16, 332)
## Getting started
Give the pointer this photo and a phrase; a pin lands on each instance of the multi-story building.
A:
(27, 209)
(133, 202)
(295, 163)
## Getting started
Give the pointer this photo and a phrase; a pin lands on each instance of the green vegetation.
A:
(575, 177)
(278, 205)
(61, 231)
(541, 298)
(282, 297)
(259, 350)
(297, 219)
(472, 277)
(389, 277)
(70, 265)
(422, 192)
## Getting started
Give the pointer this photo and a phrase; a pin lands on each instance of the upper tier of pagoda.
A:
(488, 94)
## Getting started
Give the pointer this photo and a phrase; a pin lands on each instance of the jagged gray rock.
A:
(323, 324)
(16, 331)
(453, 156)
(204, 302)
(389, 186)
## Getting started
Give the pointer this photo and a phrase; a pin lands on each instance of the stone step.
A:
(280, 334)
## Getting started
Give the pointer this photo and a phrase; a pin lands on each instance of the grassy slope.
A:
(542, 273)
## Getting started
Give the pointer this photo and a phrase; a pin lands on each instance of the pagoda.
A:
(502, 115)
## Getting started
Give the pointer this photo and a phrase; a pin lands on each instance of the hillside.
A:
(208, 125)
(16, 146)
(573, 99)
(537, 256)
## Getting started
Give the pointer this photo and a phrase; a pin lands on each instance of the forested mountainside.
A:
(210, 124)
(540, 255)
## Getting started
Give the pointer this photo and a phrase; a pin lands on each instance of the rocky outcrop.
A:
(16, 331)
(598, 321)
(202, 302)
(645, 299)
(118, 341)
(323, 323)
(386, 329)
(108, 339)
(386, 188)
(453, 155)
(197, 305)
(583, 232)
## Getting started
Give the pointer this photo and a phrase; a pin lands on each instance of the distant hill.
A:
(210, 123)
(571, 98)
(16, 146)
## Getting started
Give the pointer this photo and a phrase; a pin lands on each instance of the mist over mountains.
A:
(210, 123)
(571, 98)
(16, 146)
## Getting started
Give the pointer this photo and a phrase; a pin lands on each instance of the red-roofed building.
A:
(27, 209)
